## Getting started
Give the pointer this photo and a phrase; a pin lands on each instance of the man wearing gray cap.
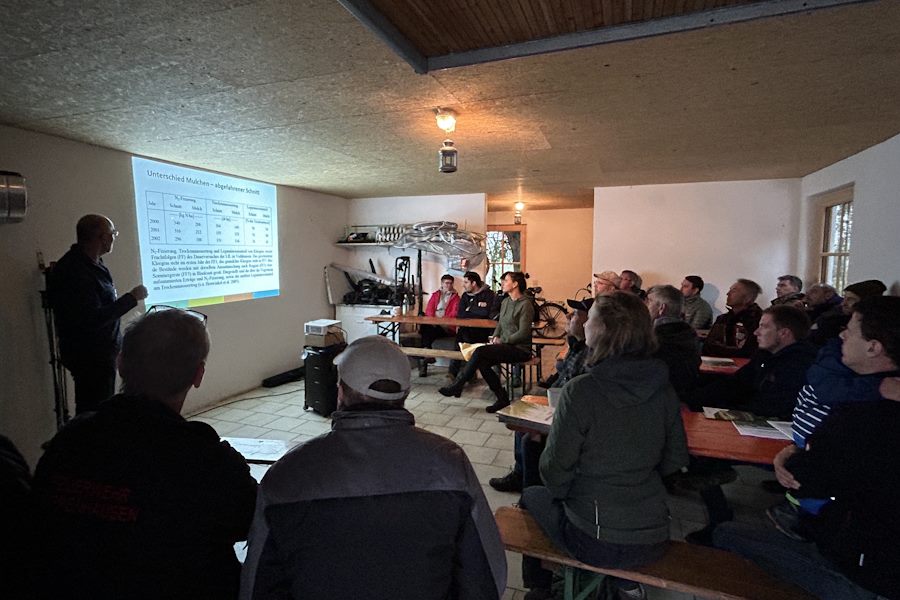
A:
(375, 508)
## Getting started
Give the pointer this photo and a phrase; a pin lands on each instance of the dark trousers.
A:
(527, 453)
(551, 516)
(95, 380)
(468, 335)
(486, 357)
(430, 333)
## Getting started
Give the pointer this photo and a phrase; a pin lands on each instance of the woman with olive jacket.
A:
(616, 433)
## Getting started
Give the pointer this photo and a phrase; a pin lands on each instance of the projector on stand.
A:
(322, 333)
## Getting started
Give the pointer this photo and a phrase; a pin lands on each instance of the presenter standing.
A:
(87, 311)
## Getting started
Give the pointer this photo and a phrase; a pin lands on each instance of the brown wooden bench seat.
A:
(431, 353)
(505, 368)
(703, 572)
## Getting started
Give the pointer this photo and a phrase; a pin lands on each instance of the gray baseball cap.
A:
(372, 359)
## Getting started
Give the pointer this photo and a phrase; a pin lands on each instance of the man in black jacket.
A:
(133, 501)
(375, 508)
(851, 458)
(476, 302)
(768, 385)
(87, 311)
(679, 346)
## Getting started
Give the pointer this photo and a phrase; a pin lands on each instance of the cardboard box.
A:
(322, 341)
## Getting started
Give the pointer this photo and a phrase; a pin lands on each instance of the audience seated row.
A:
(133, 501)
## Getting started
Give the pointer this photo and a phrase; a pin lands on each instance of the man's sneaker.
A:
(511, 482)
(786, 519)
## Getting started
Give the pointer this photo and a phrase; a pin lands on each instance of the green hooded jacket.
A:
(616, 433)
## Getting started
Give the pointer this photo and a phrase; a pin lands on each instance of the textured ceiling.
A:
(302, 94)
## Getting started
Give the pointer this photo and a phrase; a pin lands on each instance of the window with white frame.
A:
(837, 225)
(505, 252)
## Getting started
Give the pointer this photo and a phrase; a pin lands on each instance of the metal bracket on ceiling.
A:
(369, 16)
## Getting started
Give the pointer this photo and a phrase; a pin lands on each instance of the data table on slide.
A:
(177, 219)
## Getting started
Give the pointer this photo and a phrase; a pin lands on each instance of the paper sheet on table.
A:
(257, 450)
(784, 427)
(760, 429)
(525, 414)
(727, 414)
(714, 361)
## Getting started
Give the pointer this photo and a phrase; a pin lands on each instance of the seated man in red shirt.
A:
(443, 303)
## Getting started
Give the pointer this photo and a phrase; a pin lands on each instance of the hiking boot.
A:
(511, 482)
(502, 401)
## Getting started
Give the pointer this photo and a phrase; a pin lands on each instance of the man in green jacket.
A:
(510, 342)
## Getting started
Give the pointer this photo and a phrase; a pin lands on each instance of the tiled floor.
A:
(277, 413)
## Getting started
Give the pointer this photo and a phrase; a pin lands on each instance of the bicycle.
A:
(550, 317)
(587, 290)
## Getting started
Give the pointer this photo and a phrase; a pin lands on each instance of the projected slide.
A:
(204, 238)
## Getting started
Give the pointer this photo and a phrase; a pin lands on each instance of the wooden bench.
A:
(505, 368)
(431, 353)
(703, 572)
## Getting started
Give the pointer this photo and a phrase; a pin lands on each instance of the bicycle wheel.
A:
(553, 317)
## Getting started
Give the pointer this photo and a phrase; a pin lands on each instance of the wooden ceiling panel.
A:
(452, 26)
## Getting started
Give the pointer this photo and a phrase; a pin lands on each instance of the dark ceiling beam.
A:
(366, 13)
(369, 16)
(634, 31)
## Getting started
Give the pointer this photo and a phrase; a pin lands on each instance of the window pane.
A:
(838, 223)
(834, 270)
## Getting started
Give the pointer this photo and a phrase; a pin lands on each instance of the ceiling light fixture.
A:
(519, 206)
(447, 157)
(446, 119)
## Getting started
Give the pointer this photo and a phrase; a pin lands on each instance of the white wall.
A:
(875, 241)
(720, 231)
(66, 179)
(558, 246)
(468, 211)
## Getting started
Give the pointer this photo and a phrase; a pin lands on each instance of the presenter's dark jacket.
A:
(376, 508)
(86, 307)
(852, 457)
(133, 501)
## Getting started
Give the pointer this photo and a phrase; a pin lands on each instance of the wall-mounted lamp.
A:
(447, 157)
(446, 119)
(519, 206)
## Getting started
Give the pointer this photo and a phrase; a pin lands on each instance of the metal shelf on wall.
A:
(372, 235)
(369, 244)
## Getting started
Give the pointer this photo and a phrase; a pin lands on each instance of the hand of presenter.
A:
(139, 292)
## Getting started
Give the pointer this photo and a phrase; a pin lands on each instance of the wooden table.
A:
(390, 324)
(710, 438)
(707, 367)
(719, 439)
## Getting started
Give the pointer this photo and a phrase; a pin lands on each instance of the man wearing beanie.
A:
(375, 508)
(829, 324)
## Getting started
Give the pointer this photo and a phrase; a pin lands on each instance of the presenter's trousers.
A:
(95, 380)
